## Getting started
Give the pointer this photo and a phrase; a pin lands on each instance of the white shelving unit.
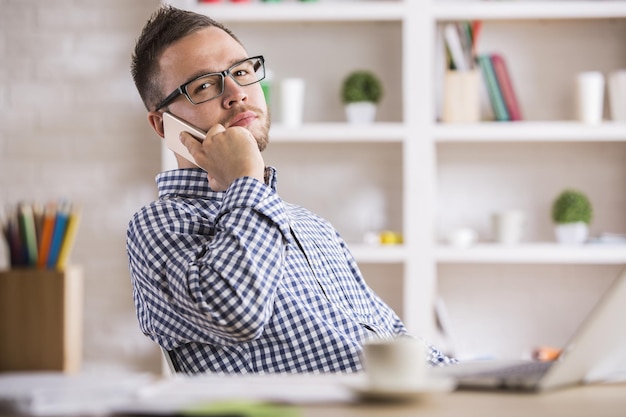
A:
(434, 166)
(548, 287)
(558, 131)
(291, 11)
(535, 253)
(339, 132)
(521, 10)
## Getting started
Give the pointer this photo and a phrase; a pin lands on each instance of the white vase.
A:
(362, 112)
(572, 233)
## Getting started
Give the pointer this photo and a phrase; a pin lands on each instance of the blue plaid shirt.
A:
(242, 282)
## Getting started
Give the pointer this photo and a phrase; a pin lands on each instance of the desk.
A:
(582, 401)
(317, 396)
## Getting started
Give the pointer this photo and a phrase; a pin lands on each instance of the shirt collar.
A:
(192, 182)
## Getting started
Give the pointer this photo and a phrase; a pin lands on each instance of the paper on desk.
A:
(58, 394)
(182, 392)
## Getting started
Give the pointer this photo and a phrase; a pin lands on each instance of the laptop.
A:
(596, 345)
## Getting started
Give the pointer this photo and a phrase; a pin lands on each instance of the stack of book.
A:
(41, 236)
(499, 87)
(461, 41)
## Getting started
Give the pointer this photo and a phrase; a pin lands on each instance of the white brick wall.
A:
(72, 125)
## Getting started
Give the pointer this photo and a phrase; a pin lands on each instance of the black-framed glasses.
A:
(209, 86)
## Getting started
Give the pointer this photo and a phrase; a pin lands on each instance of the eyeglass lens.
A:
(210, 86)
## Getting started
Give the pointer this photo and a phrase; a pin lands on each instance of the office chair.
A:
(168, 367)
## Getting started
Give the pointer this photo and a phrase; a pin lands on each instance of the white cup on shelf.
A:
(292, 101)
(617, 95)
(462, 237)
(509, 226)
(590, 96)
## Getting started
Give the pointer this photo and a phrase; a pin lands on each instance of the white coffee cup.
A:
(462, 237)
(509, 226)
(292, 101)
(590, 96)
(395, 365)
(617, 95)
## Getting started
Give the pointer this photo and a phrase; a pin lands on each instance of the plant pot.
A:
(572, 233)
(362, 112)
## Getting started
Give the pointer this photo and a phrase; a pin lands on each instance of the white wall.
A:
(72, 125)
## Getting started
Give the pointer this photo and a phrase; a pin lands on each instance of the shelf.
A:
(413, 27)
(565, 131)
(529, 253)
(338, 132)
(534, 253)
(447, 11)
(374, 11)
(378, 253)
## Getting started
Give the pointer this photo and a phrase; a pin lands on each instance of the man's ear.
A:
(156, 121)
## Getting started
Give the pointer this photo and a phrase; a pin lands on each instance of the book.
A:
(486, 109)
(495, 95)
(506, 86)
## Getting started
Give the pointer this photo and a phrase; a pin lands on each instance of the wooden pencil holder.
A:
(41, 312)
(461, 99)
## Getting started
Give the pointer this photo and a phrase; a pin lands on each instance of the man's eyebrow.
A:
(202, 72)
(199, 73)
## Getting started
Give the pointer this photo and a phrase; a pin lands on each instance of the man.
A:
(227, 276)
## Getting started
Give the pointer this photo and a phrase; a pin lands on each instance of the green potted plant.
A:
(361, 91)
(572, 213)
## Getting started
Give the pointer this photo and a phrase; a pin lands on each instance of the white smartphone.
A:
(172, 126)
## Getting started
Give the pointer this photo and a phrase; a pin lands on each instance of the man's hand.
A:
(226, 154)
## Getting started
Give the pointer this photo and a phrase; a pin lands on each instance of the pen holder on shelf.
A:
(461, 97)
(41, 313)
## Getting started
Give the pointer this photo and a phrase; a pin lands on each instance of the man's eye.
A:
(203, 86)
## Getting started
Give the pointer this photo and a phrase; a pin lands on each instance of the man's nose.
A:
(233, 92)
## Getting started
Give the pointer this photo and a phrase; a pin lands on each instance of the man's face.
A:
(213, 50)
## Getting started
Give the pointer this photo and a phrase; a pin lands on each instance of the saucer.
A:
(417, 393)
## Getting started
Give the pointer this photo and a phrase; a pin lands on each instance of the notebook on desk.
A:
(597, 341)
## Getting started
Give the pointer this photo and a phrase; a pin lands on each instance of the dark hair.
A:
(167, 25)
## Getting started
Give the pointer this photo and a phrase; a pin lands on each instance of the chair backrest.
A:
(168, 367)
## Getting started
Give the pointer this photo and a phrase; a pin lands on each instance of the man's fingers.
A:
(190, 142)
(215, 129)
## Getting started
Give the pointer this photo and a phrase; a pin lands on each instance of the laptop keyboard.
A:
(522, 370)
